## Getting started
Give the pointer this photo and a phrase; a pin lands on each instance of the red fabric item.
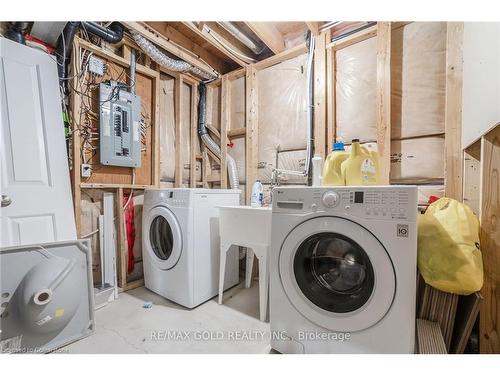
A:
(130, 229)
(50, 48)
(432, 199)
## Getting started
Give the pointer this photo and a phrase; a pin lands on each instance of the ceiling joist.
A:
(269, 34)
(233, 41)
(313, 27)
(205, 35)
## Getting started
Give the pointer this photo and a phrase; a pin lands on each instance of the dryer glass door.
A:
(337, 274)
(163, 239)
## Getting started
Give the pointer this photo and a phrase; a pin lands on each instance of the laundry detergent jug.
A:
(361, 166)
(332, 173)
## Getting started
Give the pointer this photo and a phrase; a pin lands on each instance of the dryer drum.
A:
(334, 272)
(161, 237)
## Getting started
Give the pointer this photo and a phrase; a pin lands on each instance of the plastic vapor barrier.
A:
(282, 113)
(418, 80)
(356, 80)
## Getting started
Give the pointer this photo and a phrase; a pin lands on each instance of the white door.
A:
(35, 186)
(337, 274)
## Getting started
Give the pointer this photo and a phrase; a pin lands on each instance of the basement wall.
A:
(418, 81)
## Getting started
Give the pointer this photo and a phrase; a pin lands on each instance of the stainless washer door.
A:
(337, 274)
(163, 238)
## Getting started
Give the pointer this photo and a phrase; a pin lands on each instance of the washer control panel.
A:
(371, 202)
(330, 198)
(175, 198)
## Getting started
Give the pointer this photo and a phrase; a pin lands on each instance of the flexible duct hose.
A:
(232, 171)
(159, 57)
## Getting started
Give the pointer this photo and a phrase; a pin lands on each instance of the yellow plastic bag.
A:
(449, 257)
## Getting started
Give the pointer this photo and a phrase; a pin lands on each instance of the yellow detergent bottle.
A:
(332, 174)
(361, 167)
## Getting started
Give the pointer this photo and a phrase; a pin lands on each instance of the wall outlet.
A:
(86, 170)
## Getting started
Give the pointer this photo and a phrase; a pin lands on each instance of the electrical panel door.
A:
(120, 139)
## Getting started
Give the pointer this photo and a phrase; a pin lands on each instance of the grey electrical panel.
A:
(120, 140)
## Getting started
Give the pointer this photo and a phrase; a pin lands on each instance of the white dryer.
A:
(181, 243)
(343, 269)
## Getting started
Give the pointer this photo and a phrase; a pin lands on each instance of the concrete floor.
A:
(124, 326)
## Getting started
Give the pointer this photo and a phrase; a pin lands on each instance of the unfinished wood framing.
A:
(453, 111)
(225, 125)
(357, 37)
(214, 41)
(122, 249)
(489, 327)
(324, 115)
(76, 141)
(313, 27)
(330, 100)
(384, 99)
(122, 177)
(252, 132)
(320, 91)
(269, 34)
(178, 133)
(280, 57)
(194, 135)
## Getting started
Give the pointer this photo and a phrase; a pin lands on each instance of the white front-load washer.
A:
(343, 269)
(181, 243)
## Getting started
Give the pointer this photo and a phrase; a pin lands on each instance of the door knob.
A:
(6, 200)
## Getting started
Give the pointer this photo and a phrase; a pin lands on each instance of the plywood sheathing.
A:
(117, 68)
